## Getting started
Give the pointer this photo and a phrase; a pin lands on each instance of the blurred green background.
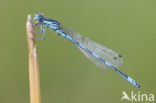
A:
(126, 26)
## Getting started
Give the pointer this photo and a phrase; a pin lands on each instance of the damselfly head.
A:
(38, 17)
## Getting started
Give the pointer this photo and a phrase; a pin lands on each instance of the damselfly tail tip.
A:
(137, 85)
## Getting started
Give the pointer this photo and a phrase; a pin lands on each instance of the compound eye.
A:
(40, 15)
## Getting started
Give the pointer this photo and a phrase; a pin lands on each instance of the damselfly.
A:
(97, 53)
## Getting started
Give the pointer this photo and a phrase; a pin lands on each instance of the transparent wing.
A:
(105, 53)
(93, 59)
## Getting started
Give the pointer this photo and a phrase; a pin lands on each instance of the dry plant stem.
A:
(33, 63)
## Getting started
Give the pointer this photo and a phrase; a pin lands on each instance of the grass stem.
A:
(33, 63)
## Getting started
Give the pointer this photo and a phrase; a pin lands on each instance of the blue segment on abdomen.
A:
(82, 46)
(122, 74)
(61, 33)
(79, 44)
(96, 56)
(130, 80)
(108, 64)
(69, 38)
